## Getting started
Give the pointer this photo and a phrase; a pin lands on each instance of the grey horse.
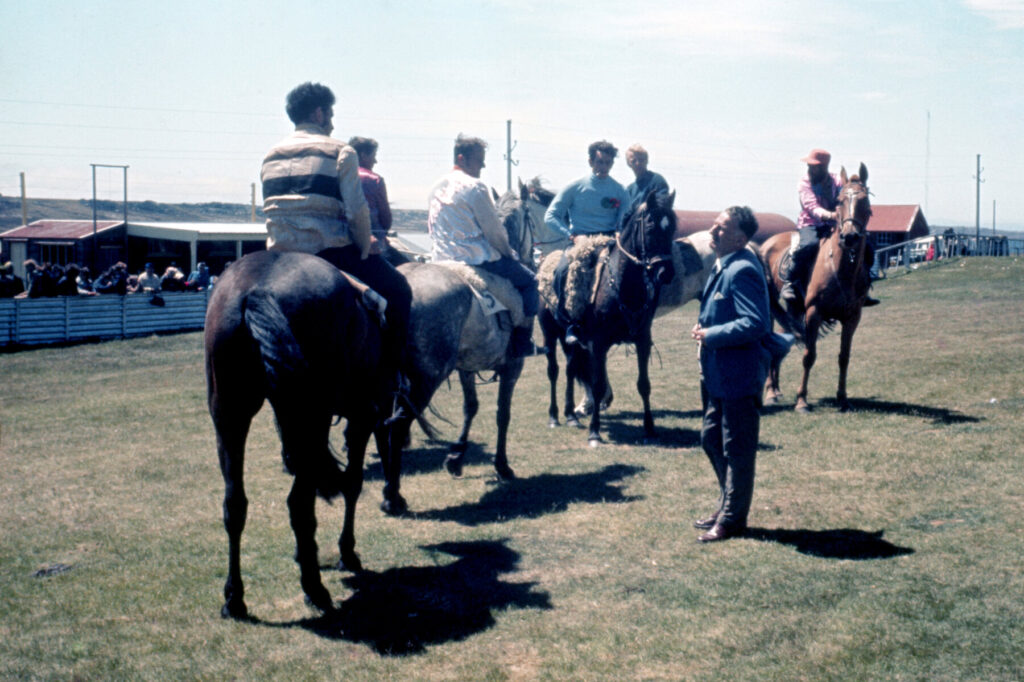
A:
(448, 331)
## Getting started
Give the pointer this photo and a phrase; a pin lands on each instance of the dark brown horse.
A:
(838, 286)
(629, 278)
(289, 328)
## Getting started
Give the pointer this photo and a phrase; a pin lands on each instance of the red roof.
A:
(688, 222)
(893, 217)
(59, 229)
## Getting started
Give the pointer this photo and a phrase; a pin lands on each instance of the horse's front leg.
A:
(470, 406)
(845, 344)
(508, 377)
(357, 434)
(575, 370)
(391, 440)
(811, 325)
(772, 394)
(302, 512)
(550, 330)
(598, 384)
(643, 384)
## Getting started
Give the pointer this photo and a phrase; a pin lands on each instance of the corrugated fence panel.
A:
(55, 320)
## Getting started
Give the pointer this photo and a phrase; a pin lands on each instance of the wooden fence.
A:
(37, 321)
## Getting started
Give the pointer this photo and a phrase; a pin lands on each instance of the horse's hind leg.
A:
(470, 406)
(810, 355)
(304, 443)
(506, 386)
(231, 435)
(357, 434)
(548, 327)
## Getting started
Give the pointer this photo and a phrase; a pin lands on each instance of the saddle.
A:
(567, 279)
(494, 294)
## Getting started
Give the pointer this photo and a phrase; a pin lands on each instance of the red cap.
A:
(817, 157)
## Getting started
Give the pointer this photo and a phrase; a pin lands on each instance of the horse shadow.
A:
(839, 543)
(628, 427)
(536, 496)
(937, 415)
(422, 460)
(401, 611)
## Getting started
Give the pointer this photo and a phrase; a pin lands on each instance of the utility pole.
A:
(927, 158)
(24, 201)
(993, 217)
(977, 205)
(509, 146)
(95, 245)
(252, 202)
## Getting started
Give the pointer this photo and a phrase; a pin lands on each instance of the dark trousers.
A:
(382, 277)
(729, 436)
(522, 279)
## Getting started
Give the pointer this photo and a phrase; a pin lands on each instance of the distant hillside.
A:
(151, 211)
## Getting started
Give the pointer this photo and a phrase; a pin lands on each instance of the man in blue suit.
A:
(734, 321)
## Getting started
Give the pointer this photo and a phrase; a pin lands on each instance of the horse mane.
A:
(542, 194)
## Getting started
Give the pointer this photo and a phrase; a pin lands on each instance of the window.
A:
(57, 254)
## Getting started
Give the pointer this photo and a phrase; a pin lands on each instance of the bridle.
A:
(645, 261)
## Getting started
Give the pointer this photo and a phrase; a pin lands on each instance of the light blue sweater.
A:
(587, 206)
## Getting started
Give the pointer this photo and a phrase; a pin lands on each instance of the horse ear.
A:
(842, 175)
(670, 201)
(494, 193)
(863, 173)
(524, 191)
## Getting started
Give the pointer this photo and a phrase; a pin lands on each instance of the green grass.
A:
(886, 543)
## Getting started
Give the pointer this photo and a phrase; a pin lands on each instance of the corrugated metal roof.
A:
(59, 229)
(893, 217)
(689, 222)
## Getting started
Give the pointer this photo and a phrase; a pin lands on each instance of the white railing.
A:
(37, 321)
(908, 255)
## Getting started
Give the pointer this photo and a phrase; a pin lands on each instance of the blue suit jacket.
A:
(735, 316)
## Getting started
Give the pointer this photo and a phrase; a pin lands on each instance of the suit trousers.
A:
(729, 437)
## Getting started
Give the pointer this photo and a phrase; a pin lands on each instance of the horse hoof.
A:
(553, 423)
(803, 409)
(453, 463)
(573, 421)
(235, 610)
(771, 400)
(505, 473)
(394, 507)
(349, 561)
(595, 441)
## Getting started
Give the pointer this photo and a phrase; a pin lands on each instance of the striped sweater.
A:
(312, 196)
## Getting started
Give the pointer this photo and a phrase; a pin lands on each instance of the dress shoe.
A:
(707, 523)
(721, 532)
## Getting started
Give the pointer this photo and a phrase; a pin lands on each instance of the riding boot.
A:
(520, 344)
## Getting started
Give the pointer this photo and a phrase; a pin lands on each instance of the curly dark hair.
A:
(745, 216)
(603, 146)
(304, 100)
(363, 145)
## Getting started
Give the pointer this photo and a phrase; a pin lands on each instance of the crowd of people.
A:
(43, 280)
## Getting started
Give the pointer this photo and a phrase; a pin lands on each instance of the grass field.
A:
(885, 544)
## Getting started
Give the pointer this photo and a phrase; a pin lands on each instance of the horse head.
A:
(519, 222)
(854, 208)
(647, 236)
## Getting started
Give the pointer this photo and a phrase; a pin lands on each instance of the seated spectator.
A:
(39, 280)
(67, 285)
(198, 279)
(173, 279)
(149, 281)
(10, 284)
(113, 281)
(84, 282)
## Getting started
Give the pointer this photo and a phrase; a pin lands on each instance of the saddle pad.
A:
(579, 282)
(494, 293)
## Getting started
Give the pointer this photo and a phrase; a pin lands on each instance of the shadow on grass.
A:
(937, 415)
(628, 427)
(841, 543)
(539, 495)
(403, 610)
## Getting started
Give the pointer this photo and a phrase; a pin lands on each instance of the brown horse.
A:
(289, 328)
(838, 286)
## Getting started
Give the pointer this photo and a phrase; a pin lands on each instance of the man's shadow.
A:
(403, 610)
(537, 496)
(840, 543)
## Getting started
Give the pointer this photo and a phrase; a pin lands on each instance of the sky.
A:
(726, 96)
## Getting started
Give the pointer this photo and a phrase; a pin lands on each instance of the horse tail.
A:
(790, 323)
(288, 374)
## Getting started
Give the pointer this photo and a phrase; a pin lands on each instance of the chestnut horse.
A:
(289, 328)
(838, 286)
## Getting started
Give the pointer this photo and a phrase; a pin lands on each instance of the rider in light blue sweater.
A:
(591, 205)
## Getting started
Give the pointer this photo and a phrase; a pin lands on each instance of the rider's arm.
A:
(557, 215)
(356, 209)
(486, 216)
(809, 202)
